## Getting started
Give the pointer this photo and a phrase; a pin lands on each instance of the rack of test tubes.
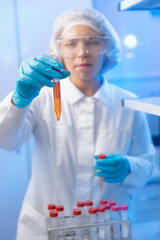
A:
(108, 221)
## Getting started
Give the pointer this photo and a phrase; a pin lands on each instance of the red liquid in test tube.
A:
(57, 97)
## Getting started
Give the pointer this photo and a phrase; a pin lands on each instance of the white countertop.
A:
(148, 105)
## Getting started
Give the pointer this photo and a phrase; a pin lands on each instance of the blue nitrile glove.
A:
(33, 74)
(114, 168)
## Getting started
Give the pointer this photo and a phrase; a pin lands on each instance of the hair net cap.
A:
(94, 19)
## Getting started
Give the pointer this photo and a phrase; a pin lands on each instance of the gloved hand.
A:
(33, 74)
(113, 168)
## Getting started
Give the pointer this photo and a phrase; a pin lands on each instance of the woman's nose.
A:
(82, 51)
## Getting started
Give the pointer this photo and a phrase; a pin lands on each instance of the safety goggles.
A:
(94, 45)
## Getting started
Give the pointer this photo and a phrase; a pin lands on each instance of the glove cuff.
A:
(20, 101)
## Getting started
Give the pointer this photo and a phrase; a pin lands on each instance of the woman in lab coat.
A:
(65, 166)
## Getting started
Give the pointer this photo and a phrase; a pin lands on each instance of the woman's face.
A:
(81, 56)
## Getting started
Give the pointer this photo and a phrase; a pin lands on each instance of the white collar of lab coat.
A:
(73, 94)
(103, 92)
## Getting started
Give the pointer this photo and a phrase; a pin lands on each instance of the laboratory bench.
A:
(140, 231)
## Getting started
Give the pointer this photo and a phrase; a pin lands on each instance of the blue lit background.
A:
(25, 31)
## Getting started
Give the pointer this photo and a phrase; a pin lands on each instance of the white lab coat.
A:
(64, 151)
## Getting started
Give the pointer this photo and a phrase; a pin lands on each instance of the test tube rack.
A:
(83, 230)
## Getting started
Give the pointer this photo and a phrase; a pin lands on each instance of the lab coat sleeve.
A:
(141, 155)
(15, 128)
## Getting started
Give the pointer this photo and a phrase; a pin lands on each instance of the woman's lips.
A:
(84, 65)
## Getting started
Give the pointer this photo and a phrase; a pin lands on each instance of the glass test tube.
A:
(88, 204)
(60, 210)
(77, 222)
(102, 183)
(116, 216)
(92, 220)
(57, 98)
(53, 223)
(124, 216)
(107, 218)
(81, 205)
(101, 219)
(54, 216)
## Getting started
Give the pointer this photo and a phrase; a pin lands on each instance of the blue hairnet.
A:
(94, 19)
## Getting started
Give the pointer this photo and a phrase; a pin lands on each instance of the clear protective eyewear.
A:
(94, 45)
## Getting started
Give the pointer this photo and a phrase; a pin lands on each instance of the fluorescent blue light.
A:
(130, 41)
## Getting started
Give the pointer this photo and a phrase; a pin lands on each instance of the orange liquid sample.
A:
(57, 99)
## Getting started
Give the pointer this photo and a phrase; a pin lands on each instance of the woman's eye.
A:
(70, 44)
(94, 42)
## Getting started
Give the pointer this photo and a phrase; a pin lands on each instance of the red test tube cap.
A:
(53, 214)
(124, 207)
(80, 204)
(103, 201)
(92, 210)
(76, 212)
(100, 156)
(107, 206)
(115, 208)
(51, 206)
(60, 208)
(112, 202)
(88, 203)
(101, 209)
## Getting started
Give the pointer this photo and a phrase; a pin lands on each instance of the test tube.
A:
(112, 203)
(101, 219)
(92, 220)
(81, 205)
(102, 183)
(77, 222)
(88, 204)
(57, 98)
(107, 212)
(107, 218)
(124, 216)
(116, 216)
(52, 223)
(60, 210)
